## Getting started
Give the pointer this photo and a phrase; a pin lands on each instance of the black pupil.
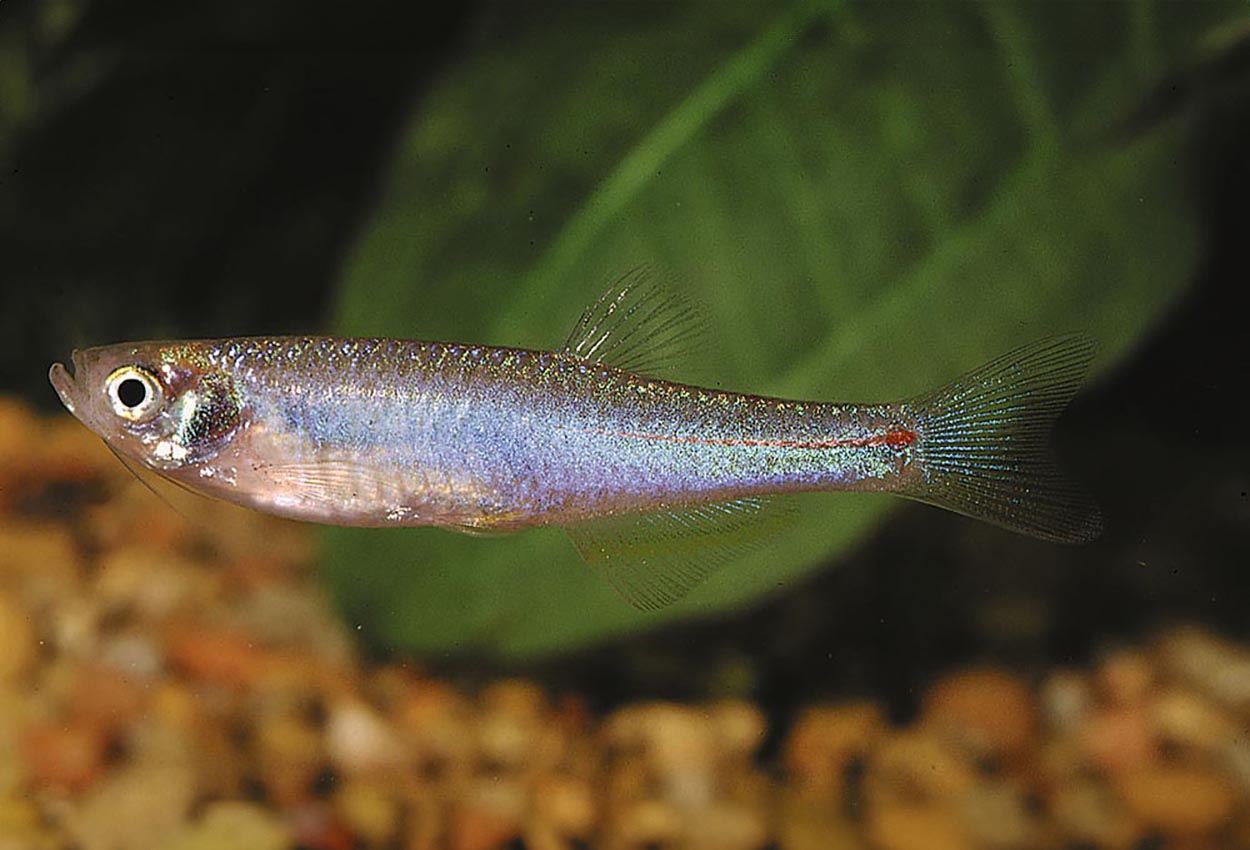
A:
(131, 392)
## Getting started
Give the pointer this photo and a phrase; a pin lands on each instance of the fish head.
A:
(163, 404)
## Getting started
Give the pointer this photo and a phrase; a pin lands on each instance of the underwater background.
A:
(867, 198)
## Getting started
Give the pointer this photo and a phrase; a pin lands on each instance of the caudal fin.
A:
(984, 443)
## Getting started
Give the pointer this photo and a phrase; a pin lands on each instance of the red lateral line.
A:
(895, 438)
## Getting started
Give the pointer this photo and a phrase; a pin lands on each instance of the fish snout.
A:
(63, 380)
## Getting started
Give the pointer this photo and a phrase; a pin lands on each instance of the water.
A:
(169, 682)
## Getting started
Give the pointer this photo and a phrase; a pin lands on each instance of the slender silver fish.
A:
(656, 482)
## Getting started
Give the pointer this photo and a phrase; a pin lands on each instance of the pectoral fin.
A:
(177, 496)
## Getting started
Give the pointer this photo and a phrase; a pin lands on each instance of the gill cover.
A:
(207, 413)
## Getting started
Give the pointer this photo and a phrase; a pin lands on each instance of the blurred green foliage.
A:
(868, 199)
(32, 33)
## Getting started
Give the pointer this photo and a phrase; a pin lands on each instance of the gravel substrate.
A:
(184, 685)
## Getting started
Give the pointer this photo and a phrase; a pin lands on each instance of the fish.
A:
(656, 482)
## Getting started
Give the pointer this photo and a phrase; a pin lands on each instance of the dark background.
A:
(199, 170)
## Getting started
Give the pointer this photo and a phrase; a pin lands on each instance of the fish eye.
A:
(136, 394)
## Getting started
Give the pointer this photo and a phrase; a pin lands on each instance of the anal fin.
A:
(653, 559)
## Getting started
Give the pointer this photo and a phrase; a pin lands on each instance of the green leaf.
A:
(870, 199)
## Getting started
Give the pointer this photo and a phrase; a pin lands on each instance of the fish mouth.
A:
(63, 380)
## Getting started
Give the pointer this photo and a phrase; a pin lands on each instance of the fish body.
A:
(387, 432)
(381, 432)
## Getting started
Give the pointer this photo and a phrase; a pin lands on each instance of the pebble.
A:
(1086, 813)
(739, 727)
(221, 764)
(1234, 757)
(369, 810)
(677, 745)
(566, 804)
(134, 655)
(539, 837)
(1125, 678)
(255, 570)
(1059, 760)
(137, 807)
(725, 826)
(17, 640)
(918, 765)
(65, 755)
(1216, 667)
(152, 583)
(289, 756)
(825, 740)
(218, 657)
(991, 711)
(645, 824)
(625, 730)
(19, 442)
(517, 698)
(292, 616)
(73, 629)
(173, 703)
(504, 741)
(105, 698)
(315, 826)
(136, 517)
(573, 716)
(158, 744)
(233, 824)
(66, 451)
(433, 718)
(1066, 699)
(1119, 740)
(237, 532)
(1184, 719)
(358, 740)
(425, 823)
(22, 826)
(910, 826)
(998, 818)
(1178, 801)
(42, 557)
(804, 825)
(487, 817)
(630, 779)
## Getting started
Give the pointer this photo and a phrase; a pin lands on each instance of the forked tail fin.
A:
(984, 443)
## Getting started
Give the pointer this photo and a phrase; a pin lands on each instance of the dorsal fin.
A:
(639, 324)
